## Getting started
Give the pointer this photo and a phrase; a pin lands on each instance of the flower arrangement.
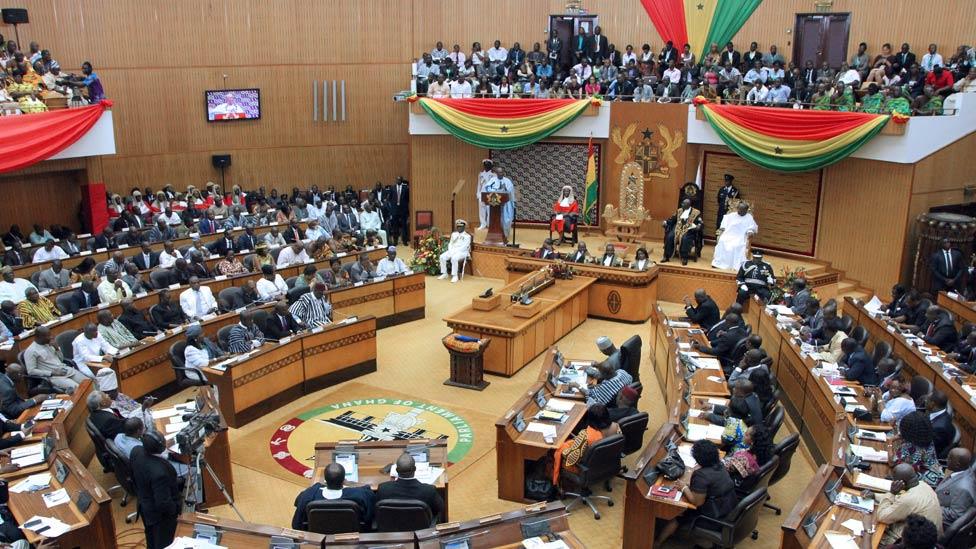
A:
(784, 284)
(426, 257)
(560, 269)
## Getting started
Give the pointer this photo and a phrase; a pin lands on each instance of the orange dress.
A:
(557, 225)
(592, 437)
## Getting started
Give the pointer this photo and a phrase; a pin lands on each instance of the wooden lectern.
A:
(496, 232)
(467, 363)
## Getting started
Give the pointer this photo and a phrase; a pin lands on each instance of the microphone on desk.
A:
(809, 524)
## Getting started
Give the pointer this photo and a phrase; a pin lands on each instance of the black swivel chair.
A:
(64, 340)
(961, 534)
(295, 293)
(759, 480)
(846, 323)
(771, 405)
(123, 474)
(599, 464)
(632, 428)
(736, 356)
(223, 337)
(734, 527)
(230, 299)
(402, 515)
(630, 354)
(290, 281)
(336, 516)
(882, 350)
(185, 377)
(66, 303)
(859, 334)
(160, 278)
(784, 451)
(774, 420)
(101, 451)
(260, 318)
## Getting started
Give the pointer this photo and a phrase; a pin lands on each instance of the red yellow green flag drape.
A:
(790, 140)
(503, 123)
(699, 23)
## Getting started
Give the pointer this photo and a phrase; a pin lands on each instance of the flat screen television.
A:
(227, 105)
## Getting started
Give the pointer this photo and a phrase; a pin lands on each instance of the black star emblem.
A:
(504, 129)
(647, 133)
(778, 150)
(701, 7)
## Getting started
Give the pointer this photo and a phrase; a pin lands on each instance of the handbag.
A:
(672, 466)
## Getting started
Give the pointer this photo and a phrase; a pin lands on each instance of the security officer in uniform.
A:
(755, 277)
(727, 192)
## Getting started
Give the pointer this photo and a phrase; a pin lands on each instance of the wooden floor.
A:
(412, 361)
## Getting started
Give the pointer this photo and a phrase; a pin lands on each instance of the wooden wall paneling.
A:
(785, 204)
(862, 219)
(44, 198)
(437, 162)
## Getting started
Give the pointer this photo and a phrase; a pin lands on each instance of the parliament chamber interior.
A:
(456, 275)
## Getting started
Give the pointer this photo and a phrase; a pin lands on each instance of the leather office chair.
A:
(274, 254)
(160, 278)
(860, 334)
(630, 353)
(35, 277)
(63, 341)
(260, 318)
(401, 515)
(336, 516)
(882, 350)
(846, 323)
(774, 420)
(295, 293)
(290, 281)
(101, 451)
(784, 451)
(771, 405)
(600, 463)
(737, 353)
(185, 377)
(632, 428)
(759, 480)
(66, 303)
(123, 474)
(230, 298)
(734, 527)
(961, 534)
(223, 337)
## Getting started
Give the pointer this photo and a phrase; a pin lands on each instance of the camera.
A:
(191, 438)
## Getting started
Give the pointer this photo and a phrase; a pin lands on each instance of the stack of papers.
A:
(545, 429)
(862, 480)
(192, 543)
(869, 454)
(852, 501)
(697, 431)
(873, 306)
(537, 543)
(559, 405)
(48, 527)
(32, 483)
(25, 456)
(679, 324)
(709, 364)
(837, 540)
(853, 525)
(684, 451)
(55, 498)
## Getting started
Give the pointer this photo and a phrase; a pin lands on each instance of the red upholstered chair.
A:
(422, 222)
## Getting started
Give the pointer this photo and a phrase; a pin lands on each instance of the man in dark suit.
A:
(146, 259)
(332, 488)
(108, 422)
(722, 325)
(668, 54)
(408, 487)
(8, 315)
(347, 220)
(248, 240)
(938, 329)
(704, 312)
(220, 247)
(905, 58)
(725, 343)
(106, 239)
(157, 490)
(598, 46)
(729, 55)
(294, 233)
(11, 405)
(400, 199)
(280, 323)
(84, 297)
(15, 256)
(856, 365)
(942, 429)
(947, 266)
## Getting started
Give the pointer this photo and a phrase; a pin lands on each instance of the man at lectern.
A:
(457, 249)
(503, 185)
(484, 178)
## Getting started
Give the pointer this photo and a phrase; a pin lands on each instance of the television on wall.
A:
(227, 105)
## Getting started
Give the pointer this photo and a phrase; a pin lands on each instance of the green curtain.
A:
(729, 17)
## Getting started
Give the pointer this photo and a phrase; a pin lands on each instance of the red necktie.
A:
(931, 330)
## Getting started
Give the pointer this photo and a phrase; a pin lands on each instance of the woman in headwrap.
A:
(565, 212)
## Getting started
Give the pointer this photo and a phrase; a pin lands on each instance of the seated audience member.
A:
(161, 232)
(248, 241)
(13, 289)
(391, 264)
(136, 320)
(308, 277)
(225, 244)
(274, 238)
(625, 405)
(199, 350)
(85, 297)
(49, 252)
(405, 486)
(957, 491)
(36, 310)
(332, 488)
(856, 365)
(908, 497)
(610, 257)
(54, 277)
(938, 329)
(169, 255)
(830, 342)
(546, 251)
(294, 254)
(751, 362)
(114, 332)
(744, 464)
(108, 423)
(130, 438)
(316, 231)
(711, 489)
(280, 323)
(943, 431)
(896, 402)
(719, 328)
(609, 350)
(134, 279)
(744, 389)
(335, 276)
(895, 307)
(90, 348)
(735, 416)
(917, 448)
(10, 319)
(11, 405)
(704, 312)
(762, 385)
(723, 346)
(733, 238)
(294, 233)
(313, 309)
(39, 235)
(564, 214)
(369, 220)
(271, 287)
(41, 359)
(598, 426)
(362, 269)
(642, 261)
(230, 265)
(113, 289)
(245, 335)
(166, 313)
(146, 259)
(581, 255)
(197, 301)
(609, 383)
(798, 298)
(15, 255)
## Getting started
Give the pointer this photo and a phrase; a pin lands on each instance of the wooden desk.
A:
(501, 530)
(373, 540)
(92, 528)
(516, 341)
(392, 301)
(72, 422)
(278, 373)
(669, 369)
(550, 370)
(620, 294)
(375, 456)
(962, 310)
(245, 535)
(514, 449)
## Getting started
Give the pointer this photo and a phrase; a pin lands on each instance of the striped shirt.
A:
(311, 311)
(117, 335)
(607, 390)
(241, 338)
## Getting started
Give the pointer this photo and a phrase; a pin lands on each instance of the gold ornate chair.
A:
(624, 223)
